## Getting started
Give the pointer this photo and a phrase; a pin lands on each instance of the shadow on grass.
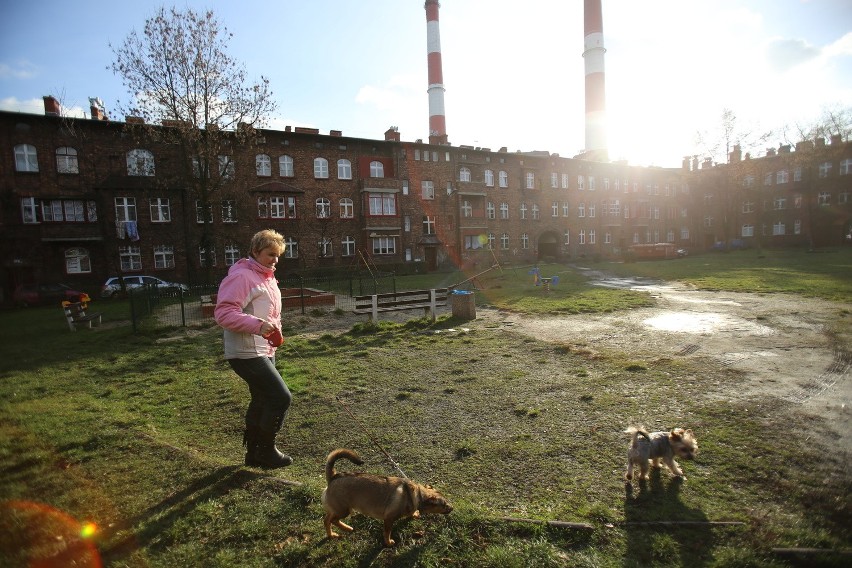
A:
(152, 523)
(654, 536)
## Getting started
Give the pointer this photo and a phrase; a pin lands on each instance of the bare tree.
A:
(194, 97)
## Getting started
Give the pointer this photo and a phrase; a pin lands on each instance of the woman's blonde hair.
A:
(265, 239)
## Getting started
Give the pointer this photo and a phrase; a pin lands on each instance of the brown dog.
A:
(384, 498)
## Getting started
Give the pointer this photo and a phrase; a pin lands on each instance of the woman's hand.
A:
(266, 328)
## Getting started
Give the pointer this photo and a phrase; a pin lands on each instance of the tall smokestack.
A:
(437, 120)
(593, 53)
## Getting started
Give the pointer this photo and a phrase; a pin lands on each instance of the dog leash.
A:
(372, 439)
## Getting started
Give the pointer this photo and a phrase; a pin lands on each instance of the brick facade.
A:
(63, 221)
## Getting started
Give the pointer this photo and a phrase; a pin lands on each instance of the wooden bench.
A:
(208, 305)
(373, 304)
(75, 313)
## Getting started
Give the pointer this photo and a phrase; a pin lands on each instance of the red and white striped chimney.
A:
(593, 53)
(437, 120)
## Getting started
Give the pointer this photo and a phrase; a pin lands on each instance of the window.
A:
(782, 176)
(407, 223)
(232, 254)
(565, 178)
(779, 203)
(845, 167)
(377, 169)
(405, 187)
(554, 180)
(708, 221)
(427, 189)
(203, 212)
(525, 241)
(320, 168)
(581, 210)
(263, 165)
(843, 197)
(344, 169)
(593, 238)
(591, 184)
(384, 245)
(606, 185)
(229, 210)
(504, 210)
(347, 208)
(824, 169)
(824, 198)
(491, 240)
(566, 238)
(684, 233)
(565, 208)
(291, 248)
(325, 248)
(581, 237)
(530, 180)
(747, 231)
(347, 246)
(164, 256)
(160, 210)
(489, 178)
(26, 159)
(581, 183)
(504, 241)
(797, 227)
(523, 210)
(797, 201)
(466, 209)
(66, 160)
(323, 208)
(490, 210)
(200, 166)
(130, 258)
(140, 163)
(797, 174)
(748, 207)
(285, 166)
(276, 207)
(77, 261)
(125, 209)
(536, 212)
(591, 210)
(206, 257)
(767, 179)
(29, 210)
(226, 167)
(428, 225)
(382, 204)
(464, 174)
(778, 228)
(472, 242)
(503, 179)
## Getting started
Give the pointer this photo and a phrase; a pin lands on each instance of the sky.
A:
(513, 70)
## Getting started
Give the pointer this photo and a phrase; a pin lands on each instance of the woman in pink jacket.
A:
(248, 307)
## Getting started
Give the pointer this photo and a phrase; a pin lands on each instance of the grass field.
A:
(125, 448)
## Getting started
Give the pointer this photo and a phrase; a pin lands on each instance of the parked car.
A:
(112, 287)
(37, 294)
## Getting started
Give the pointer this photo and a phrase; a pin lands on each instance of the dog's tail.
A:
(635, 431)
(351, 455)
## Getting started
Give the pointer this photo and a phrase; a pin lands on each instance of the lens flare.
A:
(88, 530)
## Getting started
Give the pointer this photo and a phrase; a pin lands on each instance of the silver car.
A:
(112, 287)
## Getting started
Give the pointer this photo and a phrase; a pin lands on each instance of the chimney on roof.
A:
(784, 149)
(708, 163)
(96, 106)
(392, 134)
(736, 155)
(836, 139)
(51, 106)
(685, 164)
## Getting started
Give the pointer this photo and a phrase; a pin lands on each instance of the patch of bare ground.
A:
(780, 346)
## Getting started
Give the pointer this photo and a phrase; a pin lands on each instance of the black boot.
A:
(264, 453)
(250, 438)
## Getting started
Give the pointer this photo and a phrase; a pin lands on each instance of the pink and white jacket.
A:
(248, 296)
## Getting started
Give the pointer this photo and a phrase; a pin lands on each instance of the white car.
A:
(112, 287)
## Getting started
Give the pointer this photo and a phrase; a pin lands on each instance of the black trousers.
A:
(270, 397)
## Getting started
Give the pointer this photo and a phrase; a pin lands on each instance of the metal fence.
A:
(152, 307)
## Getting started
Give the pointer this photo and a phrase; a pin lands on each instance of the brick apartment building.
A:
(83, 199)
